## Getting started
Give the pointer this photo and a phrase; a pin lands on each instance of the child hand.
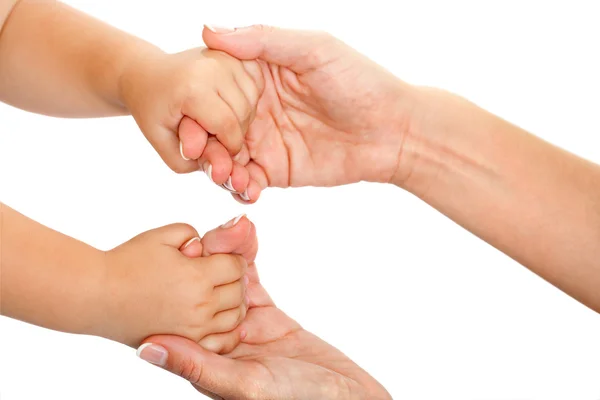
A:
(235, 239)
(151, 287)
(210, 87)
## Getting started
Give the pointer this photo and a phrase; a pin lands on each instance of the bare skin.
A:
(276, 359)
(57, 61)
(126, 294)
(341, 118)
(47, 66)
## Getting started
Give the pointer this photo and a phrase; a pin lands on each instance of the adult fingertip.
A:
(218, 29)
(233, 222)
(153, 353)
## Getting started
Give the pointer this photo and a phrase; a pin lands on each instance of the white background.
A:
(428, 309)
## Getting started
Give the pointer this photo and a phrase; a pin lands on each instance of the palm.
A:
(287, 362)
(323, 125)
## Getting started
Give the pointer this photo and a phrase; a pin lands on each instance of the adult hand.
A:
(327, 115)
(276, 358)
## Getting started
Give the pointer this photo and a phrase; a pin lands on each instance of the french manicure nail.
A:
(245, 196)
(208, 171)
(154, 354)
(218, 29)
(192, 240)
(229, 185)
(181, 152)
(232, 222)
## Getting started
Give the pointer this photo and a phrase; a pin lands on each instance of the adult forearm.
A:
(533, 201)
(46, 278)
(58, 61)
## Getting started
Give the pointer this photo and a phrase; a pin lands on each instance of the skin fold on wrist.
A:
(508, 187)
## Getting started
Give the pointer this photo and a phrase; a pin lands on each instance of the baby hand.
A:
(210, 87)
(239, 239)
(151, 287)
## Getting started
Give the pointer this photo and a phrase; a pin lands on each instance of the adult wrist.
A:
(380, 160)
(444, 135)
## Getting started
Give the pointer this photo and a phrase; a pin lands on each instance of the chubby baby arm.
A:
(47, 278)
(143, 287)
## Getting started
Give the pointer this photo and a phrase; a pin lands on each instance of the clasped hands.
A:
(294, 109)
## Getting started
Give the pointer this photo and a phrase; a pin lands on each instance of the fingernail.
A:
(228, 185)
(243, 335)
(219, 29)
(245, 196)
(246, 280)
(207, 167)
(192, 240)
(232, 222)
(181, 152)
(153, 354)
(247, 299)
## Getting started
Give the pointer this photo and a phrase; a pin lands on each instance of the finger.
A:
(228, 320)
(218, 120)
(257, 173)
(232, 94)
(227, 297)
(257, 295)
(216, 162)
(239, 179)
(166, 143)
(223, 343)
(267, 325)
(192, 138)
(243, 157)
(250, 195)
(222, 268)
(250, 84)
(192, 248)
(288, 48)
(213, 373)
(237, 236)
(258, 182)
(254, 70)
(176, 235)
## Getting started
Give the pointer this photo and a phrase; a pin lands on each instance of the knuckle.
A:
(264, 28)
(236, 316)
(177, 166)
(230, 319)
(226, 122)
(242, 314)
(189, 370)
(241, 264)
(185, 229)
(205, 68)
(247, 112)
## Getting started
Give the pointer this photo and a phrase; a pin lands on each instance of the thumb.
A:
(289, 48)
(238, 236)
(180, 236)
(218, 375)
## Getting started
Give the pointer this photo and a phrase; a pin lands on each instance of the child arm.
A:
(55, 60)
(47, 278)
